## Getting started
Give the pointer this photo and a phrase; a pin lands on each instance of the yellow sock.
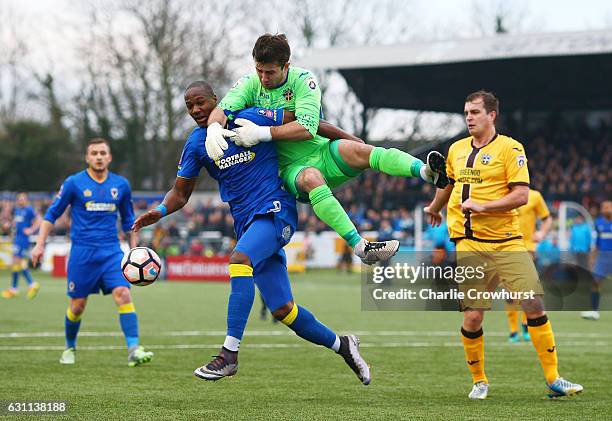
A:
(473, 345)
(543, 340)
(523, 318)
(513, 318)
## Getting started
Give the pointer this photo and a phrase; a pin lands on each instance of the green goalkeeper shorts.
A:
(327, 160)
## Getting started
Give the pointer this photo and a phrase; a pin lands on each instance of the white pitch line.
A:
(283, 346)
(271, 333)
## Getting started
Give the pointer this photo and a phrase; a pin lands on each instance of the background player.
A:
(95, 195)
(25, 222)
(603, 260)
(265, 218)
(528, 216)
(489, 180)
(310, 165)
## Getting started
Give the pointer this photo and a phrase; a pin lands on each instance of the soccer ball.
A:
(141, 266)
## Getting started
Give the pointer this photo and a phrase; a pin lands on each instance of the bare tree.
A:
(324, 24)
(14, 50)
(140, 56)
(499, 17)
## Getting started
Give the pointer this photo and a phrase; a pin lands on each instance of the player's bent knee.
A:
(77, 306)
(473, 320)
(283, 311)
(122, 295)
(309, 179)
(533, 307)
(239, 258)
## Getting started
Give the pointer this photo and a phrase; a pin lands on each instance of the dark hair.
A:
(491, 103)
(97, 141)
(202, 84)
(272, 49)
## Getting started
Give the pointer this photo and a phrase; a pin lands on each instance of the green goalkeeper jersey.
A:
(299, 94)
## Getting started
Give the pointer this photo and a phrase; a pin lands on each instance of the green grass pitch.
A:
(417, 360)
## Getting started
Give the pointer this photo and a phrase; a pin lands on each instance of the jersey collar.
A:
(90, 176)
(486, 144)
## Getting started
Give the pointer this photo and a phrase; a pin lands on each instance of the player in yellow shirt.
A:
(489, 181)
(528, 216)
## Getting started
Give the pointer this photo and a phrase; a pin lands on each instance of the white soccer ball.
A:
(141, 266)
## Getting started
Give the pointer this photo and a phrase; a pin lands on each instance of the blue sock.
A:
(595, 300)
(129, 324)
(306, 326)
(27, 276)
(72, 323)
(239, 305)
(15, 280)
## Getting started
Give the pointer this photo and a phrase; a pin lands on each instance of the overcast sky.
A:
(51, 27)
(52, 23)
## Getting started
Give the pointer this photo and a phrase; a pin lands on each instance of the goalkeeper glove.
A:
(250, 134)
(215, 143)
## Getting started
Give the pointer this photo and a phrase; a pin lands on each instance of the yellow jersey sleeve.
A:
(450, 172)
(541, 209)
(516, 164)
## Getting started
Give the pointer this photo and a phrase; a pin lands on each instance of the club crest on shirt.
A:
(288, 94)
(114, 192)
(87, 193)
(485, 159)
(520, 160)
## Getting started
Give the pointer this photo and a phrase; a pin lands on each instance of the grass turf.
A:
(417, 360)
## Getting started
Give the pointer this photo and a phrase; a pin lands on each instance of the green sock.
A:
(395, 162)
(330, 211)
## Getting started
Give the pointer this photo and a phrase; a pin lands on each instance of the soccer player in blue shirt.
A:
(265, 218)
(95, 195)
(25, 222)
(603, 262)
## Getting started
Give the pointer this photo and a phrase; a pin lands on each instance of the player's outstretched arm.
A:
(217, 116)
(440, 200)
(174, 200)
(39, 248)
(326, 129)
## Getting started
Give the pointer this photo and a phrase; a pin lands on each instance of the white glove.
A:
(215, 143)
(250, 134)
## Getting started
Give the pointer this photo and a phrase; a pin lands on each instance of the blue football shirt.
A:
(23, 217)
(604, 234)
(248, 177)
(94, 208)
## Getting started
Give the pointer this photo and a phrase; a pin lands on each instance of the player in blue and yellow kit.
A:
(265, 218)
(603, 263)
(95, 196)
(25, 222)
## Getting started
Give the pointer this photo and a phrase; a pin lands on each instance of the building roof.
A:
(527, 71)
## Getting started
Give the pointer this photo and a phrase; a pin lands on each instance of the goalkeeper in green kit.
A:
(310, 164)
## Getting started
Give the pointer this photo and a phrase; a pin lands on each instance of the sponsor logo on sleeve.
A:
(312, 84)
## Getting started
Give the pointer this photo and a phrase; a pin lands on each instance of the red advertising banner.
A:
(197, 268)
(59, 266)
